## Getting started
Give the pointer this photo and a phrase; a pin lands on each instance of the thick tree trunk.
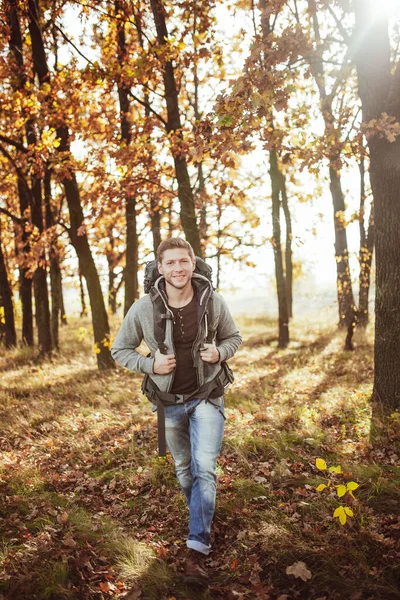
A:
(283, 338)
(87, 266)
(78, 236)
(185, 192)
(6, 305)
(378, 90)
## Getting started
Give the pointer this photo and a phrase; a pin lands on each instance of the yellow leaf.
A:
(337, 469)
(352, 485)
(341, 490)
(321, 487)
(338, 511)
(348, 511)
(340, 514)
(320, 464)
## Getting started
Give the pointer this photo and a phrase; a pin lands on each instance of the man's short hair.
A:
(173, 243)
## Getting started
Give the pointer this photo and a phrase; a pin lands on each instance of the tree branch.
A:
(18, 170)
(14, 143)
(14, 218)
(66, 38)
(148, 106)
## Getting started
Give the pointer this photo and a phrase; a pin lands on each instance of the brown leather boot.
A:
(195, 569)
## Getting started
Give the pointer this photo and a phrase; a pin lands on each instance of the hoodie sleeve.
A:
(129, 337)
(228, 336)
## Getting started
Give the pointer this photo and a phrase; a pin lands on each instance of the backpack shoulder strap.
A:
(209, 316)
(160, 315)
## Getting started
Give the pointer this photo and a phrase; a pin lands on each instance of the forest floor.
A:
(89, 511)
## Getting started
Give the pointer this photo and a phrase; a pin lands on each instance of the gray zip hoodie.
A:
(138, 326)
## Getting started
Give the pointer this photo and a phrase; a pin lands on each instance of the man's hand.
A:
(209, 353)
(164, 363)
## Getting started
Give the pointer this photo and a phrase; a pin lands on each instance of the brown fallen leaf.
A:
(299, 569)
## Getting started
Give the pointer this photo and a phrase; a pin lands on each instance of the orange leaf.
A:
(234, 564)
(105, 586)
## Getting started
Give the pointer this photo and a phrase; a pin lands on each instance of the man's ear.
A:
(194, 264)
(159, 267)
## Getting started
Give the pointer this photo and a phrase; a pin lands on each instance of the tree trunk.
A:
(343, 277)
(63, 316)
(54, 263)
(40, 289)
(131, 255)
(83, 312)
(185, 192)
(25, 280)
(366, 251)
(283, 338)
(378, 90)
(155, 205)
(132, 238)
(78, 235)
(288, 247)
(25, 283)
(6, 305)
(155, 217)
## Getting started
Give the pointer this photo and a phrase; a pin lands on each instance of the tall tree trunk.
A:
(6, 305)
(25, 282)
(343, 277)
(366, 252)
(83, 312)
(288, 247)
(55, 273)
(185, 192)
(201, 187)
(276, 185)
(132, 239)
(378, 89)
(42, 308)
(155, 217)
(155, 204)
(78, 235)
(63, 316)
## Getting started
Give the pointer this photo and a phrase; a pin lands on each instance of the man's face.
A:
(177, 267)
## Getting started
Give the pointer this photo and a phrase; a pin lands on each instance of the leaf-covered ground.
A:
(89, 511)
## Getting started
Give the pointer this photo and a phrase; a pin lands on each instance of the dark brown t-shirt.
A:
(185, 332)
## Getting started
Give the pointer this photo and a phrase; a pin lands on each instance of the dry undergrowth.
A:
(89, 511)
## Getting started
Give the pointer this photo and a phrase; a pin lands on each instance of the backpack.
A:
(151, 275)
(149, 388)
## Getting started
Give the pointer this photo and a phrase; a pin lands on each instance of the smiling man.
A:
(186, 379)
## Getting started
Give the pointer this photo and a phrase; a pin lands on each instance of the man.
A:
(188, 374)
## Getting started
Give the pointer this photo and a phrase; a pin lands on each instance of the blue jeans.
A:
(194, 432)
